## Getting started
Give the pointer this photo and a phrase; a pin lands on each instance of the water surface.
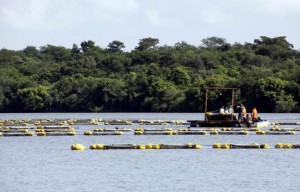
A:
(45, 164)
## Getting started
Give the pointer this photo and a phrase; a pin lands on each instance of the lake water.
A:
(42, 164)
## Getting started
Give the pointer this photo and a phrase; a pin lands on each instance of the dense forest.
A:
(150, 78)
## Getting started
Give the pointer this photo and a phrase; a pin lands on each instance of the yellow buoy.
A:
(266, 146)
(72, 133)
(139, 129)
(226, 129)
(214, 132)
(225, 146)
(287, 146)
(138, 133)
(292, 132)
(1, 134)
(97, 146)
(99, 130)
(148, 146)
(260, 132)
(217, 145)
(30, 134)
(156, 146)
(41, 133)
(94, 146)
(141, 147)
(24, 130)
(279, 145)
(77, 147)
(119, 132)
(100, 146)
(169, 132)
(197, 146)
(88, 133)
(246, 132)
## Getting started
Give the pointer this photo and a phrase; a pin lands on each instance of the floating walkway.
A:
(54, 130)
(56, 133)
(261, 132)
(91, 133)
(13, 131)
(137, 146)
(284, 129)
(216, 132)
(180, 146)
(16, 134)
(287, 146)
(185, 146)
(240, 146)
(285, 123)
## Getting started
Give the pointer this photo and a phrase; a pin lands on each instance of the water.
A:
(45, 164)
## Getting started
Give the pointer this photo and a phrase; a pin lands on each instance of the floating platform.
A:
(56, 134)
(146, 146)
(180, 146)
(14, 130)
(223, 120)
(113, 130)
(239, 129)
(240, 146)
(155, 123)
(275, 132)
(120, 123)
(16, 134)
(107, 133)
(233, 133)
(56, 127)
(285, 123)
(191, 133)
(287, 146)
(284, 129)
(216, 132)
(154, 129)
(55, 130)
(158, 133)
(77, 147)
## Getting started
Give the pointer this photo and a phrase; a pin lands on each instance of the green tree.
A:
(164, 96)
(147, 43)
(34, 98)
(87, 45)
(115, 46)
(271, 92)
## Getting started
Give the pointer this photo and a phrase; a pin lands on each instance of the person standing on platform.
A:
(244, 112)
(254, 115)
(240, 109)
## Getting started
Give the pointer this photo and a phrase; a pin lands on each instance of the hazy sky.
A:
(64, 22)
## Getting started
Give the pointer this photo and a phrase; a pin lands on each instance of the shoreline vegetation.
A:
(151, 78)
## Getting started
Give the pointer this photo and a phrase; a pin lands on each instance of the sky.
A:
(67, 22)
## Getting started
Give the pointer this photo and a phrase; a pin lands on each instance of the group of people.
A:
(242, 113)
(227, 110)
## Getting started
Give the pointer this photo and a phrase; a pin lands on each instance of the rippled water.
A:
(45, 164)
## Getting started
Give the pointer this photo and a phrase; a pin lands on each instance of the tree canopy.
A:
(150, 78)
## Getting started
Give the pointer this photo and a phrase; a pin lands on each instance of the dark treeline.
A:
(150, 78)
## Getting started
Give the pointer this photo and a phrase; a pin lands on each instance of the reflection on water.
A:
(47, 163)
